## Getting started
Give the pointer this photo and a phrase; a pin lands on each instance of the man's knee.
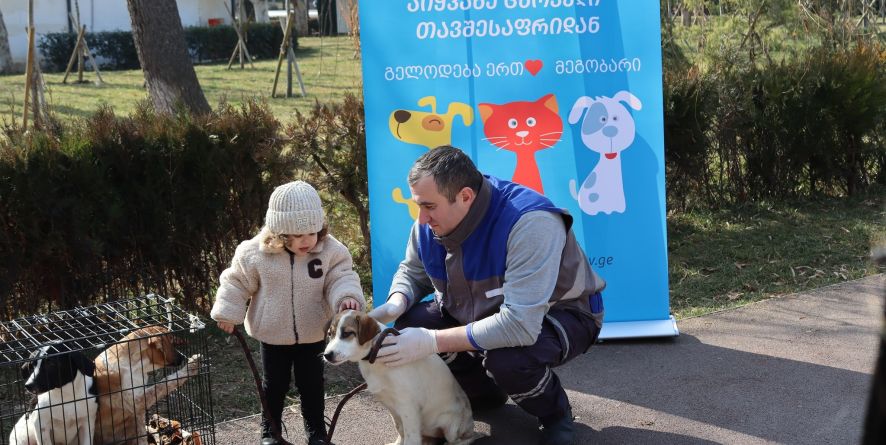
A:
(506, 364)
(424, 315)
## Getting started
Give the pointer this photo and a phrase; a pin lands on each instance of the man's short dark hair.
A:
(451, 168)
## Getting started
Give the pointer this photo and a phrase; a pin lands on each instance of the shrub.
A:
(116, 206)
(807, 127)
(687, 103)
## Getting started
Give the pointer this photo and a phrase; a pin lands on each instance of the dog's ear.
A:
(332, 321)
(578, 109)
(83, 364)
(429, 100)
(628, 98)
(462, 109)
(367, 328)
(27, 369)
(164, 346)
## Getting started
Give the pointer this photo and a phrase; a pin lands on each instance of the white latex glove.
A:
(390, 311)
(412, 344)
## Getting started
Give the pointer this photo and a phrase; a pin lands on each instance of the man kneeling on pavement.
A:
(514, 294)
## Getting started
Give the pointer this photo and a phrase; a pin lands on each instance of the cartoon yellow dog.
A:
(428, 129)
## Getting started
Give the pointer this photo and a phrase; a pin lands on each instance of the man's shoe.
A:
(269, 441)
(559, 432)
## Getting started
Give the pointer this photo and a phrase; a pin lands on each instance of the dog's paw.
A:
(194, 362)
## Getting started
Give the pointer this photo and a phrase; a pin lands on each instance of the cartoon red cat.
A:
(523, 128)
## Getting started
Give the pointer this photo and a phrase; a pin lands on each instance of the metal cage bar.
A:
(174, 395)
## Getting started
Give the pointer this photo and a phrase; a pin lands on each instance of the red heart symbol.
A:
(533, 66)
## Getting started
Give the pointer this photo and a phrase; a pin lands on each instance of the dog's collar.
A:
(376, 345)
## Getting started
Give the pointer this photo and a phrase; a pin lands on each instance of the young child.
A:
(286, 282)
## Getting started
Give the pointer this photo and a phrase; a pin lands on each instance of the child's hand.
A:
(348, 303)
(227, 327)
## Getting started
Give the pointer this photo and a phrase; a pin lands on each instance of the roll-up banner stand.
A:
(582, 79)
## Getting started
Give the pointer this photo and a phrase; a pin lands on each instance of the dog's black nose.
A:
(402, 116)
(329, 356)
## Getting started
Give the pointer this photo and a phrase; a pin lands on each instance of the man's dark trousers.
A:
(525, 372)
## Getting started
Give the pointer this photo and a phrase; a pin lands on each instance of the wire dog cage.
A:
(149, 382)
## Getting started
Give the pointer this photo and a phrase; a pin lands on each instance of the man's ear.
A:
(466, 195)
(367, 328)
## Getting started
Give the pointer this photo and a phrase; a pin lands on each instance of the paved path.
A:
(790, 370)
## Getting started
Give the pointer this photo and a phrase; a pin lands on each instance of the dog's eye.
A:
(530, 121)
(603, 119)
(615, 118)
(346, 334)
(512, 123)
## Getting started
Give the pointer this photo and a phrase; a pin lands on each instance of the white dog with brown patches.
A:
(423, 397)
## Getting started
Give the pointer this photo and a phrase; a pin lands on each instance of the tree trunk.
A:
(301, 17)
(160, 43)
(261, 11)
(5, 54)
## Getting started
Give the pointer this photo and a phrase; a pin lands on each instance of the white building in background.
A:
(98, 15)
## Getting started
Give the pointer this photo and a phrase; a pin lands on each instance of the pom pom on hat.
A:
(295, 209)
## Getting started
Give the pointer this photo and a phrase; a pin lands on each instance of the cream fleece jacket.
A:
(283, 298)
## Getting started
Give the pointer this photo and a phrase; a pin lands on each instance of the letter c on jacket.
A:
(314, 270)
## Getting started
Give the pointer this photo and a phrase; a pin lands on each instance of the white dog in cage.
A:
(66, 403)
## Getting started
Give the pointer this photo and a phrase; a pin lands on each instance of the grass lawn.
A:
(327, 65)
(730, 257)
(717, 258)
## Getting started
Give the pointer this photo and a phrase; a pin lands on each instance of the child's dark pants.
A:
(305, 362)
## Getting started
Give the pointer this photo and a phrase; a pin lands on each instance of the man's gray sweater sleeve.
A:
(535, 246)
(411, 278)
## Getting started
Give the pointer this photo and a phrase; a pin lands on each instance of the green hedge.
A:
(117, 206)
(116, 50)
(805, 128)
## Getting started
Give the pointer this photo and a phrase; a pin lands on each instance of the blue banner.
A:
(563, 96)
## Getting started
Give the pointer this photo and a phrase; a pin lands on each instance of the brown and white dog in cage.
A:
(425, 401)
(121, 373)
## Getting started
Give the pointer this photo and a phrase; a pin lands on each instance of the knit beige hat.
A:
(295, 209)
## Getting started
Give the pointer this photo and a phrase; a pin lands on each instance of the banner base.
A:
(638, 329)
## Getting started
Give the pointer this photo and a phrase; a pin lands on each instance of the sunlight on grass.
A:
(328, 67)
(725, 258)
